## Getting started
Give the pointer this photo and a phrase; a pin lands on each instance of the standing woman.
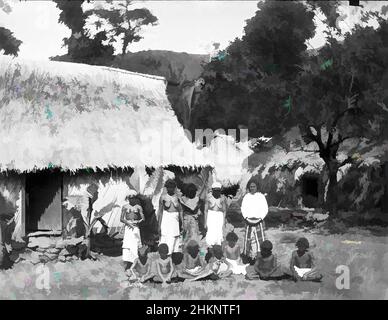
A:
(191, 206)
(254, 209)
(131, 216)
(215, 212)
(170, 218)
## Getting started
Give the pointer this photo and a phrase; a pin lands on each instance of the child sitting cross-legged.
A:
(164, 266)
(219, 265)
(266, 266)
(302, 263)
(233, 254)
(195, 267)
(140, 270)
(177, 260)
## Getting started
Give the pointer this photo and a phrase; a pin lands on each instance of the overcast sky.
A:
(184, 26)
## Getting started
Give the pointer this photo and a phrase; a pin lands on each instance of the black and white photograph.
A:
(193, 150)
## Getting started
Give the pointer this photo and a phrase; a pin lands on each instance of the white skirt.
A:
(215, 225)
(301, 271)
(170, 231)
(131, 243)
(237, 266)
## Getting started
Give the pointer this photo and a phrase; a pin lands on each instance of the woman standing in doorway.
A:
(131, 216)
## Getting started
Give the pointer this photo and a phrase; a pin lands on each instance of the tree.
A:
(123, 22)
(270, 83)
(9, 45)
(344, 100)
(81, 46)
(252, 79)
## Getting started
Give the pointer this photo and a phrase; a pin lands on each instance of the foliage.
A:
(81, 46)
(123, 22)
(248, 86)
(9, 45)
(336, 95)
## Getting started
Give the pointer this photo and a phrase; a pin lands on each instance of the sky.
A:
(184, 26)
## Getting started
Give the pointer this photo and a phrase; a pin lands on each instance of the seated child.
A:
(140, 270)
(164, 266)
(302, 263)
(266, 266)
(233, 254)
(194, 267)
(177, 260)
(219, 265)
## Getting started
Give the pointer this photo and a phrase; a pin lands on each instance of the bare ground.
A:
(365, 254)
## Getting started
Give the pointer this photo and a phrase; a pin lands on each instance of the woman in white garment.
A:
(170, 218)
(254, 209)
(215, 211)
(131, 216)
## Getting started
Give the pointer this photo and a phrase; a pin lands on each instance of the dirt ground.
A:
(365, 254)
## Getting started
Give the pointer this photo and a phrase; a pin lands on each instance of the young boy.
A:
(164, 266)
(140, 270)
(177, 260)
(233, 254)
(266, 266)
(219, 265)
(302, 263)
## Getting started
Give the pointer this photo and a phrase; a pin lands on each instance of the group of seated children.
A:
(302, 265)
(221, 262)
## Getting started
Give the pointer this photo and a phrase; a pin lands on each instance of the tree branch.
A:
(304, 150)
(317, 138)
(340, 141)
(346, 161)
(339, 116)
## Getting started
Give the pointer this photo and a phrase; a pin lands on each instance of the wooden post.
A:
(64, 194)
(23, 206)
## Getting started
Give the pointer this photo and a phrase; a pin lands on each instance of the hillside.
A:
(176, 67)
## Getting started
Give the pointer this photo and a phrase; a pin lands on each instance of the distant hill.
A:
(176, 67)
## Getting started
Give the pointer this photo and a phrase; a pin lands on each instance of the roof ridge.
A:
(151, 76)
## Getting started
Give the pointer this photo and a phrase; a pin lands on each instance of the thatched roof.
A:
(68, 115)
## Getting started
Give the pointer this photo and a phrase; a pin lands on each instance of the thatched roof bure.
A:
(73, 116)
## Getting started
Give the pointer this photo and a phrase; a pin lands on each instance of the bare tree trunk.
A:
(125, 46)
(332, 193)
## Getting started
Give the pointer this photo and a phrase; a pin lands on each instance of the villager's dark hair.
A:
(163, 248)
(191, 190)
(177, 258)
(217, 251)
(266, 246)
(170, 183)
(231, 236)
(192, 244)
(252, 181)
(302, 242)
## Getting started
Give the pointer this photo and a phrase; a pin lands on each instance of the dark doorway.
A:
(44, 201)
(310, 191)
